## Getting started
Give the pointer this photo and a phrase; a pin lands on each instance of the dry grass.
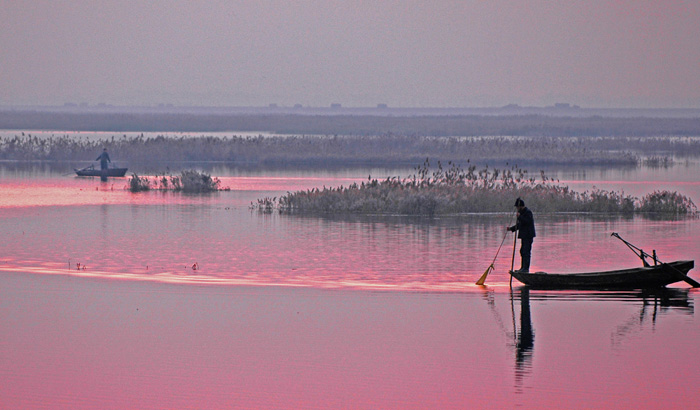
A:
(356, 150)
(454, 190)
(190, 181)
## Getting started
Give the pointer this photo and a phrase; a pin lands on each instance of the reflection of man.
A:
(526, 341)
(103, 158)
(526, 336)
(525, 225)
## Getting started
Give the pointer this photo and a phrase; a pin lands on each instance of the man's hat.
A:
(519, 202)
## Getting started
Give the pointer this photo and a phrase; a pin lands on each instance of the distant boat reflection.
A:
(653, 304)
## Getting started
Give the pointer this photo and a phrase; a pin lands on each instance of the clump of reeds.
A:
(190, 181)
(138, 184)
(657, 161)
(265, 205)
(455, 190)
(667, 202)
(194, 181)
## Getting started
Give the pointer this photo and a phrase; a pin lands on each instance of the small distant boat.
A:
(91, 171)
(645, 277)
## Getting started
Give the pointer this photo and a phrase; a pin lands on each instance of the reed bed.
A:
(388, 149)
(189, 181)
(454, 190)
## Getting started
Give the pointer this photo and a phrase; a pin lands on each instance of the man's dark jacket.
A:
(525, 224)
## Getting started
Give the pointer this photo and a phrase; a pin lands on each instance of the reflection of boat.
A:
(653, 304)
(636, 278)
(91, 171)
(674, 298)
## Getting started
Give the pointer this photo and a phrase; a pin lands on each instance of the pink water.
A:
(53, 224)
(341, 312)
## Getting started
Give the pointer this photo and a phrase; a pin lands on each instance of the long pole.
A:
(512, 261)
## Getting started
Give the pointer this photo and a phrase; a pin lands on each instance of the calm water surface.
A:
(53, 222)
(345, 312)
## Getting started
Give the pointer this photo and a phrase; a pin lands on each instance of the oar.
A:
(682, 276)
(687, 279)
(482, 279)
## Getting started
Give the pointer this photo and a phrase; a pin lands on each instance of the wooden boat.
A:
(91, 171)
(645, 277)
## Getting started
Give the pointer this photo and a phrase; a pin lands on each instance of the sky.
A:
(470, 53)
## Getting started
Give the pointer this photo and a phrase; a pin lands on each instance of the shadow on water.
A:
(525, 341)
(652, 304)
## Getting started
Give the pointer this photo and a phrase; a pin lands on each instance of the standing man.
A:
(104, 159)
(525, 225)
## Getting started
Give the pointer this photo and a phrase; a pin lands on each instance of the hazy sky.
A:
(594, 53)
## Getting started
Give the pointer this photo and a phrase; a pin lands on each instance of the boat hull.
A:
(636, 278)
(110, 172)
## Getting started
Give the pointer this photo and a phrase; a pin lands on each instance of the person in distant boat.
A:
(104, 159)
(525, 225)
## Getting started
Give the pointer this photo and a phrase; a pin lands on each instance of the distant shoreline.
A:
(514, 121)
(557, 110)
